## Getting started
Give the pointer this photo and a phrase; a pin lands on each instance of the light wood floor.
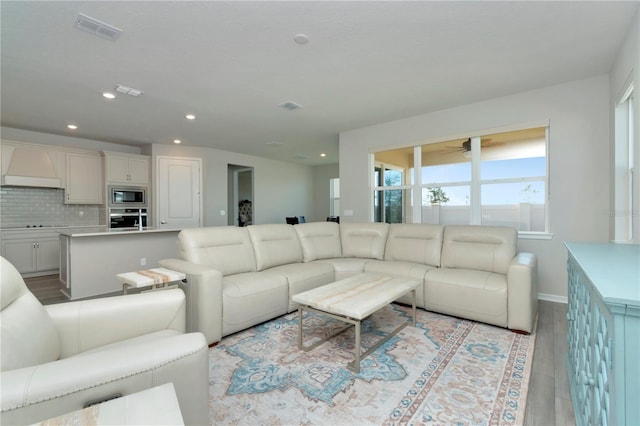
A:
(548, 402)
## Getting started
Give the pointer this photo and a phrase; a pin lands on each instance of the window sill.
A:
(527, 235)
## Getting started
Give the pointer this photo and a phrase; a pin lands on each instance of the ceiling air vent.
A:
(99, 28)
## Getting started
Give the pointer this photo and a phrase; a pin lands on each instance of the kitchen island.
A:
(91, 258)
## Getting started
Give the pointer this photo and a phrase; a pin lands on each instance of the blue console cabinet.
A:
(603, 361)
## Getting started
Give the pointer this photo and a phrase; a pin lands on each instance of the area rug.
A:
(444, 371)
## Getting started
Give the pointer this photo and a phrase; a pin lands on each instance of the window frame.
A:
(380, 186)
(475, 184)
(625, 159)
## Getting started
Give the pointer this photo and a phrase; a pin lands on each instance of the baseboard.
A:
(553, 298)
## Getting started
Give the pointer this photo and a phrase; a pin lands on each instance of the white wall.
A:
(280, 189)
(626, 69)
(18, 135)
(578, 114)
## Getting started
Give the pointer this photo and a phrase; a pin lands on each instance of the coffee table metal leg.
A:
(413, 306)
(300, 327)
(356, 349)
(358, 356)
(320, 341)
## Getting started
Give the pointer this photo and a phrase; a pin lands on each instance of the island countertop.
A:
(104, 231)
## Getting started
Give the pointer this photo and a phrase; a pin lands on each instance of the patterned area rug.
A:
(445, 371)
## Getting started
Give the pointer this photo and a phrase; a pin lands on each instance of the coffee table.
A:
(352, 300)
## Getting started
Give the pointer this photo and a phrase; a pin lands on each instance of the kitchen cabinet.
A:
(127, 168)
(33, 253)
(84, 183)
(604, 332)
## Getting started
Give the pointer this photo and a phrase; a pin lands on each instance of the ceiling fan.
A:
(466, 145)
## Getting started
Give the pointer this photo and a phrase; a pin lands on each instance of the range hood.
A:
(32, 167)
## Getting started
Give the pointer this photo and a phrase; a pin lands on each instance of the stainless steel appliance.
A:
(127, 196)
(133, 218)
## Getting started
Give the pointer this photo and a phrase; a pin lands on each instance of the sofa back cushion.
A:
(414, 242)
(484, 248)
(225, 248)
(319, 240)
(275, 245)
(364, 240)
(28, 335)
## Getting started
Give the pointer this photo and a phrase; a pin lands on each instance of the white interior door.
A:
(179, 202)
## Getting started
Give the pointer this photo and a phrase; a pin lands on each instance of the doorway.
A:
(241, 195)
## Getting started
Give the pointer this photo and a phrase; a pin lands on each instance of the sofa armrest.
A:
(522, 292)
(47, 390)
(203, 290)
(87, 324)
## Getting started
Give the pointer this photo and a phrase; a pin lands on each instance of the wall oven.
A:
(133, 218)
(127, 196)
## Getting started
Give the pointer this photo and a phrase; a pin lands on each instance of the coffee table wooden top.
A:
(357, 297)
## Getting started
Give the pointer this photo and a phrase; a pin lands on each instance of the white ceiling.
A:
(232, 63)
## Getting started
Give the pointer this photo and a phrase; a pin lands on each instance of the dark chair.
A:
(245, 213)
(333, 219)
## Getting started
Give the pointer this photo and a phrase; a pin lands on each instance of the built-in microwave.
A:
(127, 196)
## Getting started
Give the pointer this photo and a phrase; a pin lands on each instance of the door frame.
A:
(236, 192)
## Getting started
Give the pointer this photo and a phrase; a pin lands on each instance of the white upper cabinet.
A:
(127, 168)
(84, 179)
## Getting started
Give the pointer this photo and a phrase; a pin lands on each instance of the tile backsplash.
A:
(25, 206)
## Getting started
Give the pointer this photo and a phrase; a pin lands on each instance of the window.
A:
(513, 180)
(390, 192)
(625, 192)
(334, 197)
(492, 179)
(446, 183)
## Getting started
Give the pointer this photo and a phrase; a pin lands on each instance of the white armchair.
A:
(57, 358)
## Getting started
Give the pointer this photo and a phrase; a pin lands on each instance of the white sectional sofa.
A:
(239, 277)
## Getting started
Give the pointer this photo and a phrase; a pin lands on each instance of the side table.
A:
(156, 278)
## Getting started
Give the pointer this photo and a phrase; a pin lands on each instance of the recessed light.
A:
(109, 95)
(177, 141)
(72, 126)
(190, 117)
(301, 38)
(323, 155)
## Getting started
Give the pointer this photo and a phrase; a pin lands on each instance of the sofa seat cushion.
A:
(345, 267)
(397, 268)
(251, 298)
(476, 295)
(304, 276)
